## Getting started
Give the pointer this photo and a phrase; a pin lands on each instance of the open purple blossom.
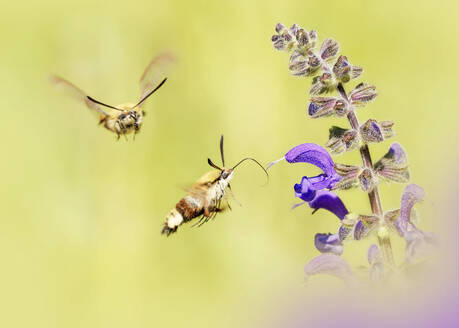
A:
(328, 243)
(332, 265)
(316, 155)
(315, 190)
(418, 242)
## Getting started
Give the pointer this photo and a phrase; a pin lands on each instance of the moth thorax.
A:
(130, 119)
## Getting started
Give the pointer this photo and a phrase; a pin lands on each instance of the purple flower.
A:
(328, 243)
(329, 201)
(417, 241)
(316, 155)
(332, 265)
(313, 190)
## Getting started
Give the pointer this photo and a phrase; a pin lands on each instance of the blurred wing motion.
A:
(155, 73)
(77, 94)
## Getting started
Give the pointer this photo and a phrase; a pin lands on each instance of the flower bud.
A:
(326, 106)
(312, 37)
(350, 175)
(341, 140)
(362, 94)
(329, 49)
(367, 180)
(284, 40)
(347, 226)
(393, 165)
(301, 65)
(365, 225)
(322, 83)
(305, 40)
(372, 131)
(344, 71)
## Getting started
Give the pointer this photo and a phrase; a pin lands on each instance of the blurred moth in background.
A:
(125, 118)
(204, 199)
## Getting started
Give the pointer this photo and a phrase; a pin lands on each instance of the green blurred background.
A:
(80, 239)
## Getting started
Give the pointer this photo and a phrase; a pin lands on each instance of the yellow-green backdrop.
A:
(81, 212)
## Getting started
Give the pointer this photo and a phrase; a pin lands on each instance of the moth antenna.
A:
(150, 93)
(258, 163)
(213, 165)
(221, 151)
(101, 103)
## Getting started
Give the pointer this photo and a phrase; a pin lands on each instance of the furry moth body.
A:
(204, 200)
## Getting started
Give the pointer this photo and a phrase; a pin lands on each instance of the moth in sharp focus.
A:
(204, 199)
(125, 118)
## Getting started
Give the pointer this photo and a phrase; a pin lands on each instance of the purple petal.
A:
(411, 195)
(332, 265)
(305, 190)
(315, 155)
(364, 226)
(329, 201)
(328, 243)
(397, 152)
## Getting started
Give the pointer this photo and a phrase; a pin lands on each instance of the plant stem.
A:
(375, 200)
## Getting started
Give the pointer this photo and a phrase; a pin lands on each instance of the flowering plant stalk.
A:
(330, 74)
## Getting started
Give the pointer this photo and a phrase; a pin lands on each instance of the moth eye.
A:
(225, 175)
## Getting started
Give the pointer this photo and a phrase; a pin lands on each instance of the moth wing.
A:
(156, 71)
(77, 93)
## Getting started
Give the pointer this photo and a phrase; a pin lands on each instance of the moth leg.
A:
(232, 195)
(117, 130)
(227, 202)
(136, 129)
(201, 218)
(214, 212)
